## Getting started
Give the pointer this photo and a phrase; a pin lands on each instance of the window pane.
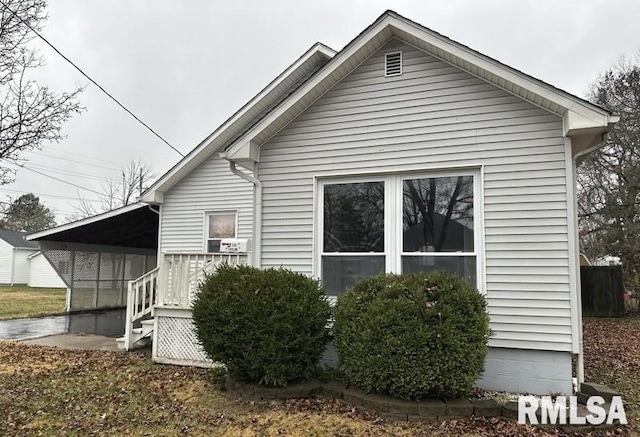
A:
(222, 226)
(342, 272)
(437, 214)
(354, 217)
(462, 266)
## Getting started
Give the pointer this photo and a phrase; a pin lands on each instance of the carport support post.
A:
(72, 270)
(122, 299)
(95, 296)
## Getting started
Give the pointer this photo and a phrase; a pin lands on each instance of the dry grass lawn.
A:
(20, 301)
(48, 391)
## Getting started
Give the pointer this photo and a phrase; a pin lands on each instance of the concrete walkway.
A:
(76, 341)
(108, 323)
(96, 330)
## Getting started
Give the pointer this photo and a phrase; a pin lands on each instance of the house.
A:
(14, 256)
(42, 274)
(21, 262)
(327, 168)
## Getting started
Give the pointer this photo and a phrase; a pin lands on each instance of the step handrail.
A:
(142, 296)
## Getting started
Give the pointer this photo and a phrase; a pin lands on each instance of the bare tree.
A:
(609, 178)
(30, 114)
(435, 205)
(136, 178)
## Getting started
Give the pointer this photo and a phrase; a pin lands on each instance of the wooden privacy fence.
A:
(602, 291)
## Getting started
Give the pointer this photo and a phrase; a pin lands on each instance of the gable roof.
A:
(18, 239)
(246, 117)
(585, 122)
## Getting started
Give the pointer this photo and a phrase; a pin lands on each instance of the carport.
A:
(98, 255)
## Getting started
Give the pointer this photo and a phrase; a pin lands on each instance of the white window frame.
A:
(205, 228)
(320, 229)
(393, 203)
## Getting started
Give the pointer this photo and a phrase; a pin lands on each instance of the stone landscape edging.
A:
(386, 407)
(394, 409)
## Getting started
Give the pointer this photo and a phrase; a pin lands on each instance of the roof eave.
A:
(584, 141)
(154, 194)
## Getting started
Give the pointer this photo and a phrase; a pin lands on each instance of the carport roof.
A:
(134, 225)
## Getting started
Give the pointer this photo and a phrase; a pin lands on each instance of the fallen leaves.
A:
(61, 392)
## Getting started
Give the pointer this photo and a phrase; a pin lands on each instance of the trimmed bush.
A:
(266, 326)
(412, 336)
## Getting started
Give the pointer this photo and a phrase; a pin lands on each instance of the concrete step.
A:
(142, 342)
(140, 336)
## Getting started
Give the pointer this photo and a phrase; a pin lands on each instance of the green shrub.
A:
(412, 336)
(266, 326)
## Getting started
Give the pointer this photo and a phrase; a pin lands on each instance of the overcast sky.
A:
(185, 66)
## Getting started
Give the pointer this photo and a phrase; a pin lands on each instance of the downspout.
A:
(575, 161)
(257, 212)
(157, 211)
(580, 357)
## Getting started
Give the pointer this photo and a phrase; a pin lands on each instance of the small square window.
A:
(219, 225)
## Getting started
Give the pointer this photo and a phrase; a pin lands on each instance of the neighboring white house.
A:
(399, 117)
(14, 257)
(21, 262)
(42, 274)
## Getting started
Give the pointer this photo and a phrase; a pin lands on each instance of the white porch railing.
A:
(174, 284)
(182, 272)
(142, 296)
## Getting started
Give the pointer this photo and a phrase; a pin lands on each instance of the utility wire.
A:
(66, 172)
(53, 177)
(47, 195)
(63, 149)
(77, 162)
(89, 78)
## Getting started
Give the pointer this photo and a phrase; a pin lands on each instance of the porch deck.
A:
(159, 306)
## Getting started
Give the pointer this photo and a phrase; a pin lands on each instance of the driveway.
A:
(108, 323)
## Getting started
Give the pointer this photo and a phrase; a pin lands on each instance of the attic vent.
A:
(393, 64)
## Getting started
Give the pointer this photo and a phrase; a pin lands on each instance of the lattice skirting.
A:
(176, 343)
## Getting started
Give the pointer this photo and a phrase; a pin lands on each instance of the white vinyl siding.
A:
(41, 274)
(21, 265)
(436, 117)
(210, 187)
(6, 262)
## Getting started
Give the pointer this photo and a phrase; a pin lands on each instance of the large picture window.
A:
(428, 223)
(437, 225)
(353, 233)
(219, 225)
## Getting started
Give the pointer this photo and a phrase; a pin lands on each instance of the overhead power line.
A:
(90, 79)
(67, 172)
(77, 162)
(54, 147)
(54, 178)
(57, 196)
